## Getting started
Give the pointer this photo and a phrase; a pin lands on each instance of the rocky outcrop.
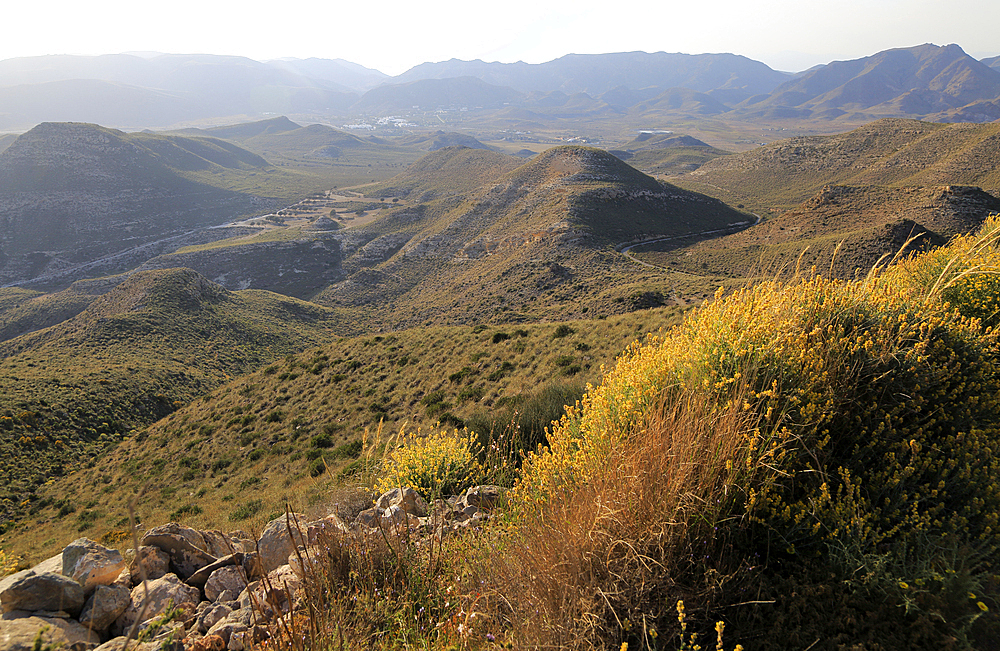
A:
(223, 591)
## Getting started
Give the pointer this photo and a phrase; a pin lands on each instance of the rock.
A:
(45, 591)
(328, 526)
(225, 629)
(370, 517)
(153, 560)
(52, 564)
(20, 634)
(187, 547)
(91, 564)
(277, 541)
(406, 498)
(208, 643)
(481, 497)
(231, 578)
(219, 544)
(105, 606)
(211, 616)
(167, 588)
(201, 576)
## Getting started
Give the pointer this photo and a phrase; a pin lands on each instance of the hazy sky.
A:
(392, 35)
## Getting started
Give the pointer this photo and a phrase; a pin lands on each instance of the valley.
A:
(728, 305)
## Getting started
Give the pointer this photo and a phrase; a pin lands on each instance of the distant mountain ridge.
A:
(940, 83)
(728, 75)
(922, 80)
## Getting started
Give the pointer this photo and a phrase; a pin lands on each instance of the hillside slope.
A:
(842, 230)
(887, 152)
(135, 354)
(536, 242)
(285, 432)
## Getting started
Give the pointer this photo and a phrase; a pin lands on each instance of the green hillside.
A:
(286, 432)
(135, 354)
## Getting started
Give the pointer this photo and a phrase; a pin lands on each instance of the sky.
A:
(392, 36)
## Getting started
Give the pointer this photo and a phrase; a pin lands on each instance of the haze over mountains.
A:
(926, 81)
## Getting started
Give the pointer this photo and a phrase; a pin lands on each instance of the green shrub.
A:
(246, 510)
(562, 331)
(350, 450)
(322, 440)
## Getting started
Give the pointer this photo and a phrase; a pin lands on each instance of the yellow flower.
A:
(624, 646)
(983, 607)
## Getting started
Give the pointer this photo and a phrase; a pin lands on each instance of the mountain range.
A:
(940, 83)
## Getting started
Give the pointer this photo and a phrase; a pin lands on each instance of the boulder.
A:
(105, 606)
(278, 541)
(66, 634)
(219, 544)
(122, 643)
(225, 628)
(91, 564)
(153, 560)
(187, 548)
(406, 498)
(481, 497)
(231, 578)
(167, 588)
(211, 616)
(51, 564)
(370, 517)
(46, 591)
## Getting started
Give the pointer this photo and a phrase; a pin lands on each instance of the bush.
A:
(562, 331)
(323, 440)
(437, 463)
(873, 419)
(246, 510)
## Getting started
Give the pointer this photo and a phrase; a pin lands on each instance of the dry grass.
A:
(606, 562)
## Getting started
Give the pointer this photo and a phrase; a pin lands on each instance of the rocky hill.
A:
(71, 194)
(842, 230)
(887, 152)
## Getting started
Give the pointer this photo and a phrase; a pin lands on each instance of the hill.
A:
(843, 231)
(916, 81)
(317, 155)
(535, 242)
(887, 152)
(75, 196)
(153, 343)
(287, 431)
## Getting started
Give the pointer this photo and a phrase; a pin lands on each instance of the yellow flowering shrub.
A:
(435, 463)
(879, 414)
(8, 563)
(965, 273)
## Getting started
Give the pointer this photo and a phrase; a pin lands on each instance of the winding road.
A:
(627, 250)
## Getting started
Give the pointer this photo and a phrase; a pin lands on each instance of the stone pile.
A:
(185, 589)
